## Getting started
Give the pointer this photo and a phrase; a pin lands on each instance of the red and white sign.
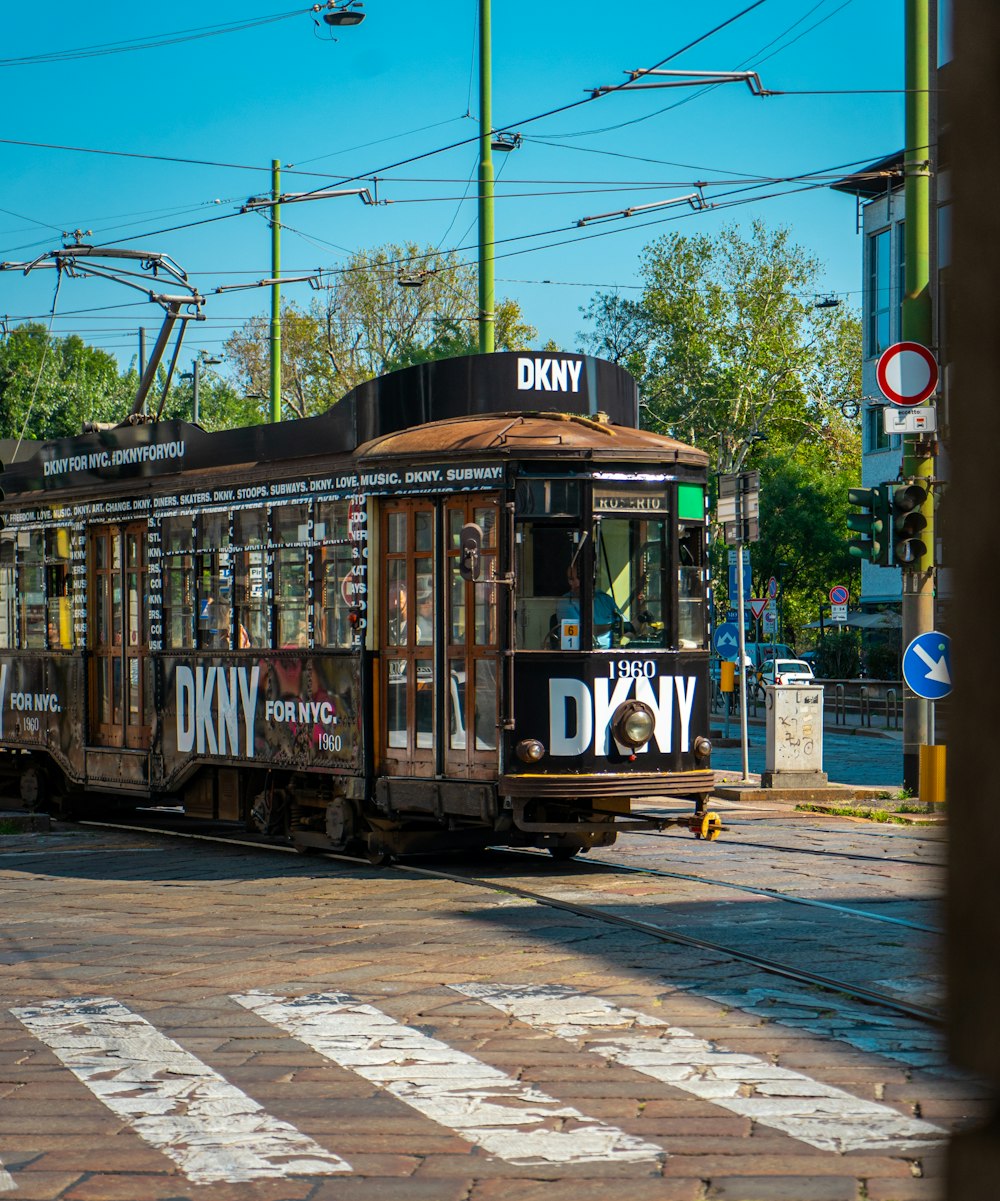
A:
(907, 373)
(757, 606)
(839, 595)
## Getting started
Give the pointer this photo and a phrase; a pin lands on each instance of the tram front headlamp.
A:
(702, 747)
(530, 750)
(633, 723)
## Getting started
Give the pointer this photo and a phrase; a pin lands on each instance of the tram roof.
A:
(531, 435)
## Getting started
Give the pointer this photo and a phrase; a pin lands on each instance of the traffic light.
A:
(908, 523)
(872, 522)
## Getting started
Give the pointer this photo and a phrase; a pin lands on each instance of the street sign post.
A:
(907, 373)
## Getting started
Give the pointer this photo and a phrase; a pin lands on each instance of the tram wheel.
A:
(564, 854)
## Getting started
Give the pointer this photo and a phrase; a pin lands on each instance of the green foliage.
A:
(50, 385)
(838, 655)
(367, 323)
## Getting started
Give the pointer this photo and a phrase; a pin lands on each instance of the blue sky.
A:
(401, 85)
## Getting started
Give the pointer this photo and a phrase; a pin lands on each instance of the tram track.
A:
(883, 1000)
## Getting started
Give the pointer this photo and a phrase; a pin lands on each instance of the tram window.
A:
(178, 602)
(250, 527)
(543, 556)
(177, 535)
(215, 600)
(629, 568)
(549, 498)
(291, 595)
(8, 595)
(335, 579)
(58, 583)
(213, 531)
(691, 614)
(290, 523)
(31, 588)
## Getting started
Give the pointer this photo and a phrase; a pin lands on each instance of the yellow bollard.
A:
(727, 676)
(932, 764)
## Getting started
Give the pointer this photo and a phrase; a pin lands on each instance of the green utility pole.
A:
(918, 450)
(487, 339)
(275, 292)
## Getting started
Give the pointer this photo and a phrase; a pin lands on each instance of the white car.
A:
(784, 671)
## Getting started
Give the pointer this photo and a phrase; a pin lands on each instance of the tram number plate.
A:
(631, 669)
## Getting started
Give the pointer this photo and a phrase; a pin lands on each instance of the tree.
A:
(727, 348)
(389, 308)
(49, 385)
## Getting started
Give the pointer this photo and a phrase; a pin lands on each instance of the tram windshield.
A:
(628, 577)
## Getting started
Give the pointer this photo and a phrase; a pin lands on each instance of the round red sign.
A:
(907, 373)
(839, 595)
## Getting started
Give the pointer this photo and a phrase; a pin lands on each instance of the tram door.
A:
(120, 695)
(440, 641)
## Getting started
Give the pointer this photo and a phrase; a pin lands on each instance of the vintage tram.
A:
(465, 606)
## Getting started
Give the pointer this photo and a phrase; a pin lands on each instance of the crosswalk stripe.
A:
(818, 1114)
(515, 1121)
(179, 1105)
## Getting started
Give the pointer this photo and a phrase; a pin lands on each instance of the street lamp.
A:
(340, 13)
(194, 375)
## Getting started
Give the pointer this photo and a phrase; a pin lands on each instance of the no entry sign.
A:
(907, 373)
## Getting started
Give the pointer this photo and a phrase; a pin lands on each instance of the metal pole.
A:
(741, 640)
(918, 452)
(275, 292)
(487, 331)
(142, 351)
(195, 405)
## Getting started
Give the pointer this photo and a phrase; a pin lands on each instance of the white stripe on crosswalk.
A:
(480, 1103)
(824, 1117)
(207, 1126)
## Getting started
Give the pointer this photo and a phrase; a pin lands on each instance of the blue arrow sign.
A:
(927, 665)
(726, 641)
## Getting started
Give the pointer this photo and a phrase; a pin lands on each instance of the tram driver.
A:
(608, 619)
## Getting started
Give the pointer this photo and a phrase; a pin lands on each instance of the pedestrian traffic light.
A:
(871, 522)
(908, 523)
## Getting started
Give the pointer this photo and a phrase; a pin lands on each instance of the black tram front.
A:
(283, 626)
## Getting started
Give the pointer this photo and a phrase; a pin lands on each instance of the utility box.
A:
(794, 747)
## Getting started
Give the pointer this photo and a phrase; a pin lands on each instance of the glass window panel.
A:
(397, 533)
(331, 521)
(396, 705)
(250, 599)
(629, 599)
(486, 519)
(291, 594)
(179, 602)
(691, 608)
(293, 626)
(213, 531)
(456, 606)
(396, 603)
(333, 623)
(551, 498)
(423, 539)
(542, 556)
(425, 601)
(425, 703)
(136, 611)
(290, 523)
(177, 534)
(250, 527)
(456, 704)
(8, 593)
(486, 704)
(486, 604)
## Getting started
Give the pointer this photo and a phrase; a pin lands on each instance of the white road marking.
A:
(7, 1184)
(480, 1103)
(179, 1105)
(818, 1114)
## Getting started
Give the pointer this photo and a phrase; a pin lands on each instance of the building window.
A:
(875, 436)
(879, 292)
